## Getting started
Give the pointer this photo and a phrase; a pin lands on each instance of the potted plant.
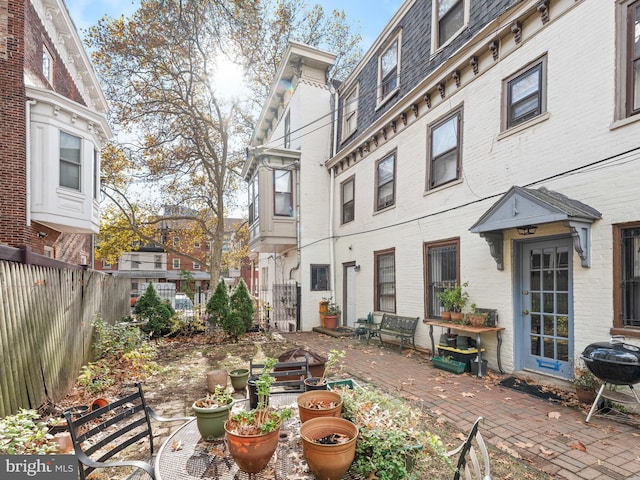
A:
(319, 403)
(449, 364)
(239, 378)
(476, 318)
(320, 383)
(586, 385)
(446, 298)
(212, 411)
(456, 299)
(331, 315)
(252, 436)
(391, 443)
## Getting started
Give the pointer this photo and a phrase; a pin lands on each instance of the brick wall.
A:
(12, 124)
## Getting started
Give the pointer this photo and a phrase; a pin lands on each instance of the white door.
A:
(350, 316)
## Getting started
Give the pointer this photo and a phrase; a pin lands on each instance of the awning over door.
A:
(525, 208)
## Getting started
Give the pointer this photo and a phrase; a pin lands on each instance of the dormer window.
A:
(350, 113)
(389, 70)
(449, 19)
(47, 65)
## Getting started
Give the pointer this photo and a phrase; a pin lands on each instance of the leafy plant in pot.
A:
(586, 385)
(331, 315)
(455, 299)
(477, 318)
(391, 444)
(252, 437)
(320, 383)
(212, 412)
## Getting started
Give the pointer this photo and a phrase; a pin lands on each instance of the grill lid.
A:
(616, 352)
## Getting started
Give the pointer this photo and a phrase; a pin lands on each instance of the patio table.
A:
(185, 455)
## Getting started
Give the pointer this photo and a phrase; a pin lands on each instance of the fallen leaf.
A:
(526, 445)
(578, 445)
(545, 451)
(442, 396)
(439, 388)
(555, 415)
(217, 452)
(175, 446)
(468, 394)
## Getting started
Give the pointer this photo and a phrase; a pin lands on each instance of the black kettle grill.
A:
(614, 363)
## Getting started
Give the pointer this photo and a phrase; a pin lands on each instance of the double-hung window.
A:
(389, 70)
(445, 158)
(70, 161)
(348, 200)
(525, 94)
(47, 64)
(283, 198)
(449, 18)
(385, 182)
(350, 113)
(157, 262)
(626, 268)
(385, 281)
(176, 264)
(287, 130)
(442, 272)
(253, 200)
(628, 61)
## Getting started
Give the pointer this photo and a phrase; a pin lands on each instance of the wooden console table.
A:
(469, 329)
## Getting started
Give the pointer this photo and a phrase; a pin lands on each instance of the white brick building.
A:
(461, 124)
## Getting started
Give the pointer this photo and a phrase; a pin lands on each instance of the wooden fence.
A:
(46, 317)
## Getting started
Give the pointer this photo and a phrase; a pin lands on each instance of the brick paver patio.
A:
(548, 435)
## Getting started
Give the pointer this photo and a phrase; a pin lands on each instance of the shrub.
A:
(233, 325)
(161, 320)
(241, 304)
(218, 305)
(96, 377)
(25, 434)
(147, 301)
(113, 341)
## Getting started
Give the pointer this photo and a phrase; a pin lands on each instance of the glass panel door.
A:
(546, 319)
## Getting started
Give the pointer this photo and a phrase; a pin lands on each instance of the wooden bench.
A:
(403, 328)
(289, 376)
(102, 433)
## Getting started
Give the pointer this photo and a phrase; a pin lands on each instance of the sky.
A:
(371, 15)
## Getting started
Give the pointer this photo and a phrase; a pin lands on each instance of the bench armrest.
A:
(86, 460)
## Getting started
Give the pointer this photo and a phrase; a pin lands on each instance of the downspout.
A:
(28, 105)
(298, 230)
(334, 146)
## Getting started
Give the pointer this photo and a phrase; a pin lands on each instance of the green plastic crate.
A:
(347, 383)
(449, 365)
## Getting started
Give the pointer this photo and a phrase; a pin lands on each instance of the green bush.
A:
(96, 377)
(146, 302)
(218, 305)
(113, 341)
(233, 325)
(25, 434)
(241, 304)
(161, 321)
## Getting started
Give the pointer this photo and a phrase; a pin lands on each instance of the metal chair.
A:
(474, 468)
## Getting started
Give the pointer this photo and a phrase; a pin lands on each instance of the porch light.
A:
(527, 229)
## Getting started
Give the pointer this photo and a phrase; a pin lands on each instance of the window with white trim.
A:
(385, 182)
(445, 146)
(196, 266)
(135, 261)
(47, 64)
(350, 113)
(176, 263)
(389, 70)
(106, 264)
(449, 19)
(70, 161)
(628, 58)
(253, 200)
(282, 189)
(157, 262)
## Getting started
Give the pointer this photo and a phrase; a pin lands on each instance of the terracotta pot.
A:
(331, 321)
(315, 396)
(328, 462)
(311, 383)
(445, 316)
(586, 395)
(216, 377)
(252, 452)
(476, 320)
(211, 421)
(239, 378)
(457, 316)
(99, 403)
